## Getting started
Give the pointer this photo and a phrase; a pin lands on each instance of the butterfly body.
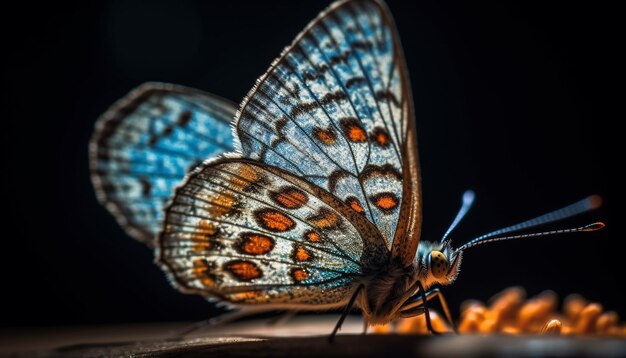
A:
(385, 292)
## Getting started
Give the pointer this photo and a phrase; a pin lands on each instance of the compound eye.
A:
(439, 264)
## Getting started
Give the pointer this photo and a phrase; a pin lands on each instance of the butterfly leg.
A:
(331, 338)
(413, 307)
(425, 306)
(444, 306)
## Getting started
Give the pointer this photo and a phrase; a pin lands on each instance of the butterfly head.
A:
(438, 263)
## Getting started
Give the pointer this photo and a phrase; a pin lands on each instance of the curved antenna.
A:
(587, 228)
(468, 200)
(589, 203)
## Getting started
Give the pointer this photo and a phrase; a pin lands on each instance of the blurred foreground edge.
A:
(307, 337)
(367, 346)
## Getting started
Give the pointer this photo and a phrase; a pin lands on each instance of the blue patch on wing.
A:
(146, 143)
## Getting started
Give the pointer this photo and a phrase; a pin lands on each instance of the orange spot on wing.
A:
(312, 236)
(246, 176)
(325, 219)
(385, 201)
(206, 227)
(221, 204)
(352, 128)
(203, 236)
(244, 296)
(200, 264)
(207, 281)
(355, 204)
(299, 274)
(256, 244)
(203, 246)
(204, 230)
(326, 136)
(243, 270)
(302, 254)
(380, 137)
(290, 198)
(357, 134)
(274, 220)
(201, 269)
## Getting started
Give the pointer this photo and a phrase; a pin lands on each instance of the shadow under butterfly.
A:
(307, 197)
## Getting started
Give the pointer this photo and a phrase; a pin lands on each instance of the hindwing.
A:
(249, 233)
(146, 143)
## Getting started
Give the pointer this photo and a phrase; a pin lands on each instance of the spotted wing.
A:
(146, 143)
(251, 234)
(335, 108)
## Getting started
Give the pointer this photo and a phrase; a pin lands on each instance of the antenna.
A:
(587, 228)
(587, 204)
(468, 200)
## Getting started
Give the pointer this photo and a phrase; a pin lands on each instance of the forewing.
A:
(335, 109)
(251, 234)
(146, 143)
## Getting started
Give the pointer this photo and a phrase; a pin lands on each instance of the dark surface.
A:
(362, 346)
(300, 337)
(513, 100)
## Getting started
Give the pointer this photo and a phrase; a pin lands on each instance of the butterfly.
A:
(307, 196)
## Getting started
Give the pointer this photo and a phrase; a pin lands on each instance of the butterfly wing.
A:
(248, 233)
(146, 143)
(335, 108)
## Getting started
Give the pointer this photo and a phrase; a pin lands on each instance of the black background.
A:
(512, 100)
